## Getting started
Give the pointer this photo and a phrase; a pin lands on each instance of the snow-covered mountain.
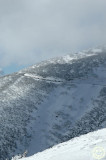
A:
(90, 147)
(52, 102)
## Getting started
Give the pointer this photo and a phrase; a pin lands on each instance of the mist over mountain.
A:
(52, 102)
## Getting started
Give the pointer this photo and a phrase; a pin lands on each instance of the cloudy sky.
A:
(35, 30)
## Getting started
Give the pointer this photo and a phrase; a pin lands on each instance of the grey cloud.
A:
(35, 30)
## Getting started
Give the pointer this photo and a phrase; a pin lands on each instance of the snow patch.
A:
(97, 50)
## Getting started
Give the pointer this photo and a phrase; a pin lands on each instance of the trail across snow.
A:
(49, 79)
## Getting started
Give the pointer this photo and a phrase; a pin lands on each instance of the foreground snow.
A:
(79, 148)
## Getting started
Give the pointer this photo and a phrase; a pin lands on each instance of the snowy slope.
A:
(52, 102)
(80, 148)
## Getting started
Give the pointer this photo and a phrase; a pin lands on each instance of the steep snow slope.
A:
(52, 102)
(91, 146)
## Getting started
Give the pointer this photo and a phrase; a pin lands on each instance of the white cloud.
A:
(34, 30)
